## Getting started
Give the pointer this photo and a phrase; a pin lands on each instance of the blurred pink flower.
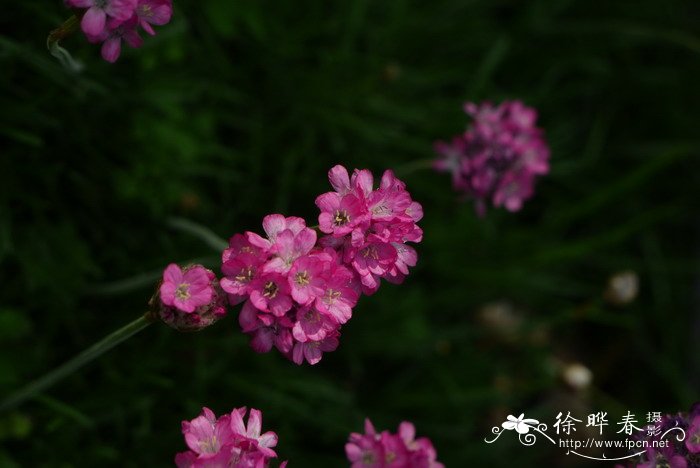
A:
(95, 17)
(387, 450)
(498, 158)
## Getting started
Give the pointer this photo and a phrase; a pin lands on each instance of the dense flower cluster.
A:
(190, 298)
(111, 21)
(498, 158)
(226, 441)
(387, 450)
(298, 289)
(683, 453)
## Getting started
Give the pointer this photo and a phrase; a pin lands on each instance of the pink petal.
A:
(111, 49)
(133, 39)
(254, 423)
(339, 179)
(93, 23)
(274, 224)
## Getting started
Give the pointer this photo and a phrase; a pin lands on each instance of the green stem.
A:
(77, 362)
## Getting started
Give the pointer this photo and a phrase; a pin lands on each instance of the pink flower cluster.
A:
(298, 289)
(387, 450)
(498, 158)
(190, 298)
(226, 441)
(111, 21)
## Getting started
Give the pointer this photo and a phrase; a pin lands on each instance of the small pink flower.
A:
(387, 450)
(250, 435)
(306, 277)
(186, 290)
(289, 246)
(190, 298)
(338, 296)
(205, 435)
(270, 293)
(95, 18)
(340, 215)
(312, 351)
(153, 12)
(226, 442)
(692, 440)
(112, 35)
(312, 325)
(273, 225)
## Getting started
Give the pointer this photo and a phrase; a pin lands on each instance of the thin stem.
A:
(53, 42)
(197, 230)
(77, 362)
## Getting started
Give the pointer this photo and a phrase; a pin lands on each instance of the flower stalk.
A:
(66, 369)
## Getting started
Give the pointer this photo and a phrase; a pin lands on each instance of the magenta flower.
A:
(312, 351)
(692, 440)
(270, 293)
(387, 450)
(250, 435)
(186, 290)
(95, 17)
(306, 277)
(112, 36)
(226, 442)
(289, 246)
(153, 12)
(340, 215)
(498, 158)
(190, 298)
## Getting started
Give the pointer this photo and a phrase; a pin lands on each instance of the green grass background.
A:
(238, 108)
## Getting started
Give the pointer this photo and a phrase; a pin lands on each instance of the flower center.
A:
(370, 252)
(368, 458)
(390, 457)
(183, 291)
(302, 278)
(245, 275)
(341, 218)
(331, 296)
(311, 316)
(210, 445)
(270, 290)
(381, 210)
(146, 10)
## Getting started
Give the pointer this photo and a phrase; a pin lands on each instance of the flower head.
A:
(190, 298)
(226, 441)
(387, 450)
(498, 158)
(298, 290)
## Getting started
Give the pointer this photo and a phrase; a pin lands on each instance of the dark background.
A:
(238, 108)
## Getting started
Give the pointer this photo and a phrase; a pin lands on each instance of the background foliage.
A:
(237, 109)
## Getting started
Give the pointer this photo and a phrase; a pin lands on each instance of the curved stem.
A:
(204, 233)
(77, 362)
